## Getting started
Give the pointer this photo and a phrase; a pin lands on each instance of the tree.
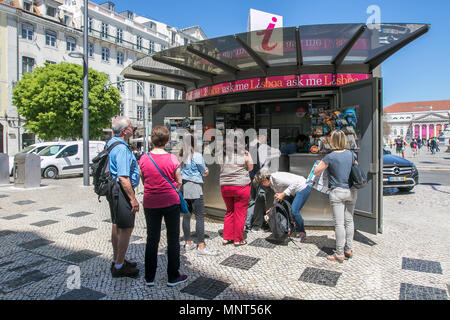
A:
(51, 101)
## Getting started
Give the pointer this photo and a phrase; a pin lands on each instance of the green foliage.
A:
(51, 101)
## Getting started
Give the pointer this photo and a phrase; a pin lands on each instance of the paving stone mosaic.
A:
(205, 288)
(325, 251)
(24, 202)
(359, 237)
(5, 233)
(414, 292)
(27, 266)
(33, 244)
(14, 217)
(49, 209)
(208, 235)
(3, 196)
(290, 298)
(421, 265)
(4, 264)
(81, 230)
(44, 223)
(23, 280)
(82, 294)
(320, 276)
(82, 214)
(240, 262)
(262, 243)
(81, 256)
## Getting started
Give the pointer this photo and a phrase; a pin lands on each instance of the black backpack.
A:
(103, 182)
(281, 222)
(358, 178)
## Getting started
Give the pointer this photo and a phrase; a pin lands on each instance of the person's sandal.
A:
(335, 258)
(348, 254)
(240, 243)
(225, 242)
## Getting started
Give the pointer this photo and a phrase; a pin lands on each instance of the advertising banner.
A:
(281, 82)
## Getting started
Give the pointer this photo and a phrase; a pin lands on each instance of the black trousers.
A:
(153, 218)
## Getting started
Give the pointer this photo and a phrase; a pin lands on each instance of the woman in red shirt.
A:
(161, 200)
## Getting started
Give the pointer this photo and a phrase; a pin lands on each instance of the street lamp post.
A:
(147, 128)
(84, 56)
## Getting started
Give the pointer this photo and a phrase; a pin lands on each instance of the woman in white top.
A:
(288, 184)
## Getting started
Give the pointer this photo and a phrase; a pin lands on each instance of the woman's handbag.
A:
(358, 178)
(183, 204)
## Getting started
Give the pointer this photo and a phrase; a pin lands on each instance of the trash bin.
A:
(27, 170)
(4, 168)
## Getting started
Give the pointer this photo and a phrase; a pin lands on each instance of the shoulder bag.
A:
(183, 204)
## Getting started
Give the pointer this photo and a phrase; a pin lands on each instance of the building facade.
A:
(421, 119)
(36, 32)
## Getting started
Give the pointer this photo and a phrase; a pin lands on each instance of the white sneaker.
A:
(207, 251)
(189, 246)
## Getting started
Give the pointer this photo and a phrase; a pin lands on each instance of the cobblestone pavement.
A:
(45, 232)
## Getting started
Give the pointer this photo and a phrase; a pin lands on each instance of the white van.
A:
(66, 158)
(34, 148)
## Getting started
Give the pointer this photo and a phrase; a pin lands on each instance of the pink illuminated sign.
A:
(281, 82)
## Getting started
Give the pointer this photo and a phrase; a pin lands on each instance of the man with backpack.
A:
(260, 196)
(290, 185)
(122, 201)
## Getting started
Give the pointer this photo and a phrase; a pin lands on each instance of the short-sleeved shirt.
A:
(158, 193)
(398, 143)
(339, 168)
(194, 170)
(122, 162)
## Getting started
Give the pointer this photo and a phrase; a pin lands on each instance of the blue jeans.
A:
(297, 205)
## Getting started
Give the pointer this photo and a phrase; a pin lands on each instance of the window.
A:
(121, 107)
(139, 42)
(177, 94)
(50, 62)
(105, 54)
(119, 36)
(119, 57)
(69, 151)
(186, 41)
(163, 47)
(66, 20)
(50, 38)
(90, 24)
(151, 47)
(104, 33)
(120, 86)
(139, 88)
(91, 49)
(27, 31)
(163, 93)
(152, 90)
(140, 112)
(51, 11)
(401, 132)
(71, 44)
(173, 37)
(395, 132)
(27, 6)
(27, 64)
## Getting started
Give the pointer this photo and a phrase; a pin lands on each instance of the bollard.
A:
(27, 170)
(4, 168)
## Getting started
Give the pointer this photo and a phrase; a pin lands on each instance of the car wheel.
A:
(51, 173)
(406, 189)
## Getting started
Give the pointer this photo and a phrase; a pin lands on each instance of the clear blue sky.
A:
(419, 71)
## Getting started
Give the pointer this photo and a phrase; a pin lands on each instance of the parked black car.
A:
(398, 172)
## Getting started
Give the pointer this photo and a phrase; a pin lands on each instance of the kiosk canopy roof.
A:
(332, 48)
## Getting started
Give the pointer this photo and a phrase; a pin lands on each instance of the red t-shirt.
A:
(158, 193)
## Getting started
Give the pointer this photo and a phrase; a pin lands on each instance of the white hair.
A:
(118, 125)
